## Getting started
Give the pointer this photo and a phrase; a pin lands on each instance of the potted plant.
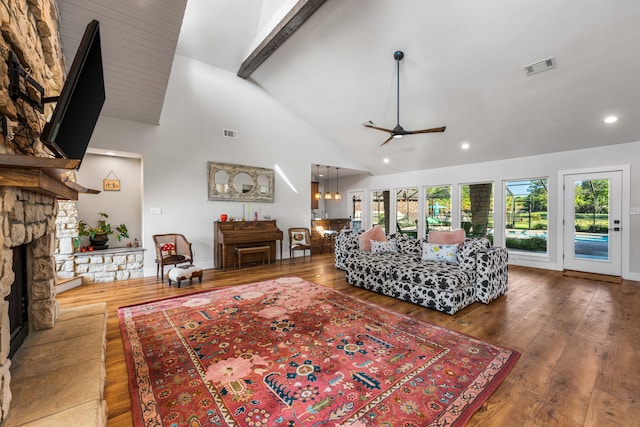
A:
(99, 235)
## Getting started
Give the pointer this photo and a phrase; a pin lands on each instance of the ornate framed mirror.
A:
(239, 183)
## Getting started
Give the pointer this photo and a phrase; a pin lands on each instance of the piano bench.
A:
(183, 273)
(264, 250)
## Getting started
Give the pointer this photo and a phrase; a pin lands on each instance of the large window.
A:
(380, 208)
(407, 211)
(437, 208)
(476, 209)
(526, 215)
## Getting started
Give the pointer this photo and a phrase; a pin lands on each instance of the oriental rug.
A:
(288, 352)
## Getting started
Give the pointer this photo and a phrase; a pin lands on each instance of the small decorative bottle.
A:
(255, 216)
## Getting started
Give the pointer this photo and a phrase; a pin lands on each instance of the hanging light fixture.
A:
(317, 194)
(327, 194)
(337, 196)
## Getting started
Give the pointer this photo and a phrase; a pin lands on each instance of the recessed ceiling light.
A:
(465, 145)
(610, 119)
(386, 160)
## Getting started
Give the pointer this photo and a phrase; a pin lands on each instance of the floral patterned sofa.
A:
(480, 273)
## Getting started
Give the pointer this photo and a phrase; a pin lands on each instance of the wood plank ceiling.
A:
(139, 39)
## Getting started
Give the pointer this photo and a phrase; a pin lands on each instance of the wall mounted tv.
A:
(78, 107)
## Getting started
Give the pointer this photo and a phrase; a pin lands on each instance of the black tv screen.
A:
(78, 107)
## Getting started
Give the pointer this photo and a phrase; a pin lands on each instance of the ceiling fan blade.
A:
(432, 130)
(377, 128)
(388, 139)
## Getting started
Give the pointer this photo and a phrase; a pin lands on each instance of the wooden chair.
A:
(299, 240)
(179, 253)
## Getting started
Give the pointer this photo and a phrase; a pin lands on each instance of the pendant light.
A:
(317, 194)
(327, 194)
(337, 196)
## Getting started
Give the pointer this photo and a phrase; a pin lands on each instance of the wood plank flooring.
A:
(578, 339)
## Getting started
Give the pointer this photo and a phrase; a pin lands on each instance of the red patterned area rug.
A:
(288, 352)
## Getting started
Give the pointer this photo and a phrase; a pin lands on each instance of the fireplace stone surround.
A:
(26, 218)
(27, 212)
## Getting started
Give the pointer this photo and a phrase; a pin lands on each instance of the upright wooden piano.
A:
(227, 236)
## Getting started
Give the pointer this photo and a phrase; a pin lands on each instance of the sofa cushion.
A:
(443, 253)
(380, 265)
(452, 237)
(409, 246)
(433, 274)
(376, 233)
(388, 247)
(468, 251)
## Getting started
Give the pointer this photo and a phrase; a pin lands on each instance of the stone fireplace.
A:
(26, 218)
(30, 181)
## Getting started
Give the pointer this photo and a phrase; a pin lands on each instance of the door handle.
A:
(614, 229)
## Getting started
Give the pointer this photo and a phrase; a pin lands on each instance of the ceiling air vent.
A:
(540, 66)
(230, 133)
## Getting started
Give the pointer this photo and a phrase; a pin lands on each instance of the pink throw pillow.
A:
(452, 237)
(376, 233)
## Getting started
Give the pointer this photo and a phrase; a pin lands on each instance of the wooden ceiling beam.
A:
(285, 28)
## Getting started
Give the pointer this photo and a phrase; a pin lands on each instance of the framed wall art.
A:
(239, 183)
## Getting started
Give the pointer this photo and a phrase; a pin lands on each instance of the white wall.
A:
(551, 166)
(202, 100)
(124, 206)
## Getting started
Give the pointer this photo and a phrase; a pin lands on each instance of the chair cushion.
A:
(174, 258)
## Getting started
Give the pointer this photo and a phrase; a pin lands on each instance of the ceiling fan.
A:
(398, 131)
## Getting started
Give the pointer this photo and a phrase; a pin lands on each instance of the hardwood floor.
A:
(578, 339)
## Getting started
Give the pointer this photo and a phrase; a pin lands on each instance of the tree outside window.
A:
(476, 209)
(407, 211)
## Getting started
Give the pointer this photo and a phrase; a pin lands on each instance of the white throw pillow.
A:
(442, 253)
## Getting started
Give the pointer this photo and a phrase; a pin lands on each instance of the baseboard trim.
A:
(592, 276)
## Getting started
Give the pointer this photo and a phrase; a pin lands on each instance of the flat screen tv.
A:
(78, 107)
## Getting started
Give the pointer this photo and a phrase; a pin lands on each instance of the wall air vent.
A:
(540, 66)
(230, 133)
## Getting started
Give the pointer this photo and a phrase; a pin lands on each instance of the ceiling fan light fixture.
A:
(398, 131)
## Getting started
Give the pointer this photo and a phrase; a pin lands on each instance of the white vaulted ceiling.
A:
(463, 68)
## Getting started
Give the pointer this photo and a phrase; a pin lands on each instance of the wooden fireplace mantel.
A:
(41, 175)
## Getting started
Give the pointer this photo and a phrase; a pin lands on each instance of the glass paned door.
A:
(592, 222)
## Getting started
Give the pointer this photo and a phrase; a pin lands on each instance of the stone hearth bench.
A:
(58, 375)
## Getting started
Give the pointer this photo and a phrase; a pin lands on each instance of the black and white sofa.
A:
(479, 273)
